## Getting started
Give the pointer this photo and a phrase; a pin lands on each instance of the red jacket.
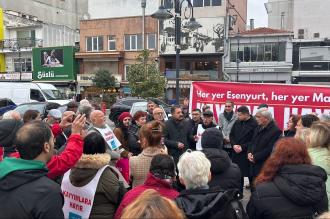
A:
(56, 129)
(59, 164)
(164, 188)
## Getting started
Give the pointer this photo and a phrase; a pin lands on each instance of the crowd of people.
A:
(72, 164)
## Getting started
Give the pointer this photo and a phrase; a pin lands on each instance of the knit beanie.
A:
(123, 115)
(212, 138)
(8, 129)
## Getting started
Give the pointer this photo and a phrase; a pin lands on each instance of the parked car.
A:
(122, 105)
(6, 105)
(42, 107)
(143, 107)
(125, 105)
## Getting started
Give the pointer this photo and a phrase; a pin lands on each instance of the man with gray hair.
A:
(264, 137)
(198, 200)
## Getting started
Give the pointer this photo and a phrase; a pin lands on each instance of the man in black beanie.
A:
(8, 129)
(225, 174)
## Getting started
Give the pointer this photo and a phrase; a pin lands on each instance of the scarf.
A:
(228, 116)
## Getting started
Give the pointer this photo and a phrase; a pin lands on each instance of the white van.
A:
(25, 92)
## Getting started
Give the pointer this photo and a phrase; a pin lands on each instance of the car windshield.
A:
(53, 95)
(21, 109)
(138, 106)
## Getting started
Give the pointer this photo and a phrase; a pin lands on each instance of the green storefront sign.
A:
(54, 64)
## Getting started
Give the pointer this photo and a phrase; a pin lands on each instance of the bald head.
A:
(97, 118)
(12, 115)
(158, 114)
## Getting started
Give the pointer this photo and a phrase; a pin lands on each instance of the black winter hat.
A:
(212, 138)
(8, 130)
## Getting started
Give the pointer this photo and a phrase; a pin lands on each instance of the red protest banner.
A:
(282, 99)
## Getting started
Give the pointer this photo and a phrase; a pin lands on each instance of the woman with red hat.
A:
(121, 132)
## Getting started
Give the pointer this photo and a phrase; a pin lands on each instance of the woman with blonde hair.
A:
(303, 135)
(319, 148)
(150, 140)
(150, 204)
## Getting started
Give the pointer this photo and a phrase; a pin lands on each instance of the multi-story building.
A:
(260, 55)
(113, 44)
(309, 21)
(32, 23)
(306, 19)
(201, 49)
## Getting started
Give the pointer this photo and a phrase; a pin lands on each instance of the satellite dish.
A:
(86, 16)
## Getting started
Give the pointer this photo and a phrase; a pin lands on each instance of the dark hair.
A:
(308, 119)
(243, 109)
(152, 132)
(72, 104)
(295, 119)
(173, 108)
(30, 139)
(288, 151)
(94, 143)
(139, 114)
(197, 110)
(162, 166)
(85, 110)
(30, 115)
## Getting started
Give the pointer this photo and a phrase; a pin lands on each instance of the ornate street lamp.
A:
(192, 24)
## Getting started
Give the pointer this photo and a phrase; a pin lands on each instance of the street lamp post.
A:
(143, 6)
(163, 14)
(238, 56)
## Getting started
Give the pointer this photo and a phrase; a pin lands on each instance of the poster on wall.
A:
(51, 58)
(206, 39)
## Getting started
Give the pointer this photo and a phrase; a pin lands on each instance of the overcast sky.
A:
(257, 11)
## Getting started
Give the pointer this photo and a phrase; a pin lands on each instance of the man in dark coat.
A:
(225, 174)
(25, 189)
(240, 136)
(263, 140)
(177, 134)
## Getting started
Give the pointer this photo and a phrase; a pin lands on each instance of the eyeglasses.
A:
(228, 106)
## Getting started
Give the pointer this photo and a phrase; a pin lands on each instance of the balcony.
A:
(20, 44)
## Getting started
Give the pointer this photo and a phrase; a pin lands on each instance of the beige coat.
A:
(139, 165)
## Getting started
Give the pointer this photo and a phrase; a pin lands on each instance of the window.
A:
(216, 2)
(247, 57)
(94, 43)
(133, 42)
(151, 41)
(260, 56)
(168, 4)
(268, 52)
(316, 35)
(301, 34)
(203, 3)
(36, 95)
(112, 43)
(26, 38)
(26, 65)
(263, 52)
(126, 72)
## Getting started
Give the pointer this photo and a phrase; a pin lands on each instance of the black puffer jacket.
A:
(209, 203)
(132, 140)
(225, 174)
(298, 191)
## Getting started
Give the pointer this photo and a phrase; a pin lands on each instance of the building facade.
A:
(306, 19)
(260, 55)
(113, 44)
(311, 61)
